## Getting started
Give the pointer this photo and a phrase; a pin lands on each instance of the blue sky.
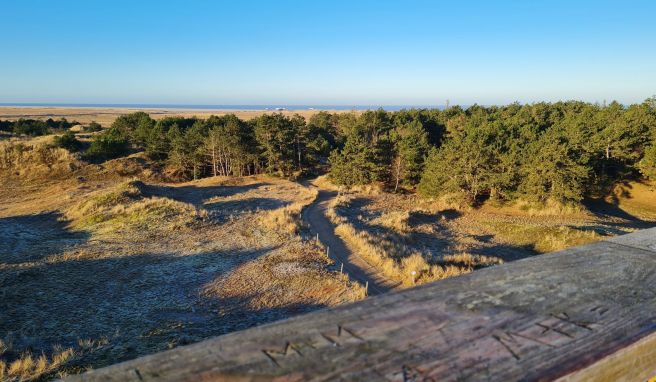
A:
(326, 52)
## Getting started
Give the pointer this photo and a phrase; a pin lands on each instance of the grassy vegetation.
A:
(28, 367)
(136, 267)
(125, 205)
(288, 219)
(395, 254)
(293, 278)
(34, 160)
(636, 198)
(540, 237)
(402, 234)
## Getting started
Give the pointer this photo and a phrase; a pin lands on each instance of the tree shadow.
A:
(610, 210)
(421, 217)
(441, 241)
(26, 238)
(141, 303)
(197, 195)
(240, 206)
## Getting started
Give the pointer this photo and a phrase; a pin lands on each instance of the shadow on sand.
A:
(28, 238)
(139, 303)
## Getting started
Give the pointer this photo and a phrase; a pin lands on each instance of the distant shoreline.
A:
(106, 114)
(219, 107)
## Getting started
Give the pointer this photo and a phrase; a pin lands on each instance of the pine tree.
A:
(554, 170)
(157, 143)
(647, 164)
(464, 164)
(355, 163)
(411, 146)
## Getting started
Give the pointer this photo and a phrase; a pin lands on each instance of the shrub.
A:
(6, 126)
(93, 127)
(30, 127)
(68, 142)
(110, 144)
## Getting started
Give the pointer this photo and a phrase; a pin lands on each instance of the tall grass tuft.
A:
(287, 220)
(126, 204)
(27, 367)
(35, 160)
(393, 257)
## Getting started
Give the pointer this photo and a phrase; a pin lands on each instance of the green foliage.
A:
(6, 126)
(110, 144)
(30, 127)
(554, 169)
(135, 126)
(93, 127)
(279, 140)
(411, 146)
(60, 124)
(157, 144)
(356, 163)
(558, 152)
(179, 151)
(648, 163)
(320, 138)
(230, 146)
(68, 141)
(465, 164)
(35, 127)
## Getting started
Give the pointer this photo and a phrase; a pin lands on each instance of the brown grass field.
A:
(105, 116)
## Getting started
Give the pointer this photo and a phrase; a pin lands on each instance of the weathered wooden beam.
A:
(586, 313)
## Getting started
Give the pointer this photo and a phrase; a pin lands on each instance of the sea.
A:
(224, 107)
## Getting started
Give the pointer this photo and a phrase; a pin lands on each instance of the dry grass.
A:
(468, 260)
(324, 183)
(30, 367)
(294, 278)
(396, 220)
(393, 255)
(135, 263)
(550, 208)
(35, 160)
(126, 205)
(438, 238)
(400, 235)
(636, 198)
(287, 219)
(542, 238)
(400, 262)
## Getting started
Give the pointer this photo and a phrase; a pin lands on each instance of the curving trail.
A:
(355, 267)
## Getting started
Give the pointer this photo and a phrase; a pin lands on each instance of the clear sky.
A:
(326, 52)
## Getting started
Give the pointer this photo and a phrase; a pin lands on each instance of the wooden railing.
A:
(584, 314)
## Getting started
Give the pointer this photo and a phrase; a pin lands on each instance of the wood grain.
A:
(558, 315)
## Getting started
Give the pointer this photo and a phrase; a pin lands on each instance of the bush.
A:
(110, 144)
(68, 142)
(30, 127)
(60, 124)
(93, 127)
(6, 126)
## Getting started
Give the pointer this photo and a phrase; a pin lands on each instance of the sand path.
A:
(354, 266)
